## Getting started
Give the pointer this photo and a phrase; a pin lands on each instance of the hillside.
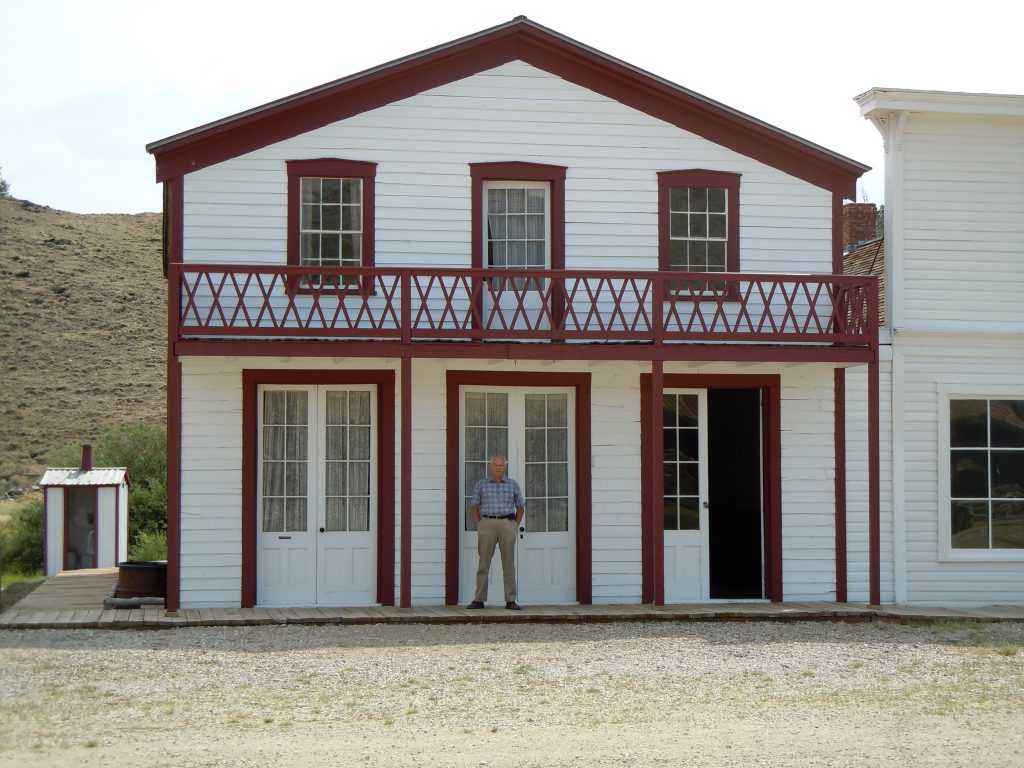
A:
(82, 330)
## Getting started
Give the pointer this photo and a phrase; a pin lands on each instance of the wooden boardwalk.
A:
(74, 599)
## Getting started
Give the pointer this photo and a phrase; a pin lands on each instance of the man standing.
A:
(497, 507)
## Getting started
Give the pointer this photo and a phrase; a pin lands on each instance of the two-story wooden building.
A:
(952, 351)
(509, 243)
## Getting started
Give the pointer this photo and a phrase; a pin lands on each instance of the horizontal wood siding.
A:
(211, 535)
(235, 210)
(857, 574)
(211, 483)
(211, 476)
(428, 482)
(967, 365)
(615, 441)
(808, 490)
(963, 221)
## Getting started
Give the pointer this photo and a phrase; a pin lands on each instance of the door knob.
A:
(322, 530)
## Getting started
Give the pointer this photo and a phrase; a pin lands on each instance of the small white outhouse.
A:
(85, 516)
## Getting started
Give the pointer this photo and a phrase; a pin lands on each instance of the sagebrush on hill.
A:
(82, 330)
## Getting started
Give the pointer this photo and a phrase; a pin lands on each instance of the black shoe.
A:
(475, 604)
(512, 605)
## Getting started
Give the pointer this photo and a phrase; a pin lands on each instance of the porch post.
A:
(405, 596)
(655, 489)
(840, 482)
(874, 485)
(174, 197)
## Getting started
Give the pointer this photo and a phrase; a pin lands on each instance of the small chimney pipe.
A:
(86, 457)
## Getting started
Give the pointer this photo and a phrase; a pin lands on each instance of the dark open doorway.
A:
(735, 494)
(80, 529)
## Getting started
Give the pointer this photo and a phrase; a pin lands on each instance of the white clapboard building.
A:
(514, 243)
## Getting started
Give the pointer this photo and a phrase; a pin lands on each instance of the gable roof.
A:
(519, 39)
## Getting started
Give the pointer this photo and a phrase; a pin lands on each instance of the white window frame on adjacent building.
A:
(946, 550)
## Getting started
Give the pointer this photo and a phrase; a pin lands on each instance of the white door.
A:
(685, 495)
(533, 428)
(316, 496)
(517, 216)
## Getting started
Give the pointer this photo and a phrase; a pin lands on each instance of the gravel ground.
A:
(724, 694)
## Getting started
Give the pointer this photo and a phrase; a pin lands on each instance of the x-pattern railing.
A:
(556, 305)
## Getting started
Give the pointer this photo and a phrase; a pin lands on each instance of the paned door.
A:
(533, 428)
(316, 496)
(685, 495)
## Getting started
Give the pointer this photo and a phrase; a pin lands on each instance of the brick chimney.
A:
(859, 221)
(86, 457)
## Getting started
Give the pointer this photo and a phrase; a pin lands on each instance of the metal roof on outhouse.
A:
(78, 476)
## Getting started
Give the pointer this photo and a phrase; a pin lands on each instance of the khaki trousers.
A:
(500, 533)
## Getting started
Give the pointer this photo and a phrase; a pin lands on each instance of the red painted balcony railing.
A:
(409, 304)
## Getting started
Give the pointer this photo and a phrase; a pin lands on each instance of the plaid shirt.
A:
(497, 499)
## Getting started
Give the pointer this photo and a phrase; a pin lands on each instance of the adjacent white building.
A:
(953, 516)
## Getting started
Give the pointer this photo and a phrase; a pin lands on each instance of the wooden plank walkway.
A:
(74, 599)
(70, 590)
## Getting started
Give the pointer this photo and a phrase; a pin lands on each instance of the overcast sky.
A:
(86, 85)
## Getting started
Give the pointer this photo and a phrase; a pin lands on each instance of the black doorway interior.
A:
(734, 493)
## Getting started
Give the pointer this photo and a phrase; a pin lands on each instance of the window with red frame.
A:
(698, 225)
(330, 216)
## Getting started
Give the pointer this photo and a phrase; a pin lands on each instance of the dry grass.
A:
(82, 330)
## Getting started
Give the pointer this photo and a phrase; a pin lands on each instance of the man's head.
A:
(498, 466)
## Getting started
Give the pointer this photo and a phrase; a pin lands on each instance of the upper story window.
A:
(517, 232)
(330, 213)
(698, 221)
(518, 215)
(986, 474)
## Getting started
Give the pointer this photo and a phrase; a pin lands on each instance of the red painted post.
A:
(405, 597)
(173, 597)
(840, 482)
(656, 490)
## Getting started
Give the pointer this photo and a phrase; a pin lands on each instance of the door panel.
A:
(685, 498)
(346, 543)
(547, 546)
(287, 574)
(316, 501)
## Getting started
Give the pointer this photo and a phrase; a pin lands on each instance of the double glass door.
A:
(316, 499)
(533, 429)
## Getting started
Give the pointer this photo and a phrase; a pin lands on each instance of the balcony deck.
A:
(423, 311)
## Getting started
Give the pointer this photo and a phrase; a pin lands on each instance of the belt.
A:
(499, 517)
